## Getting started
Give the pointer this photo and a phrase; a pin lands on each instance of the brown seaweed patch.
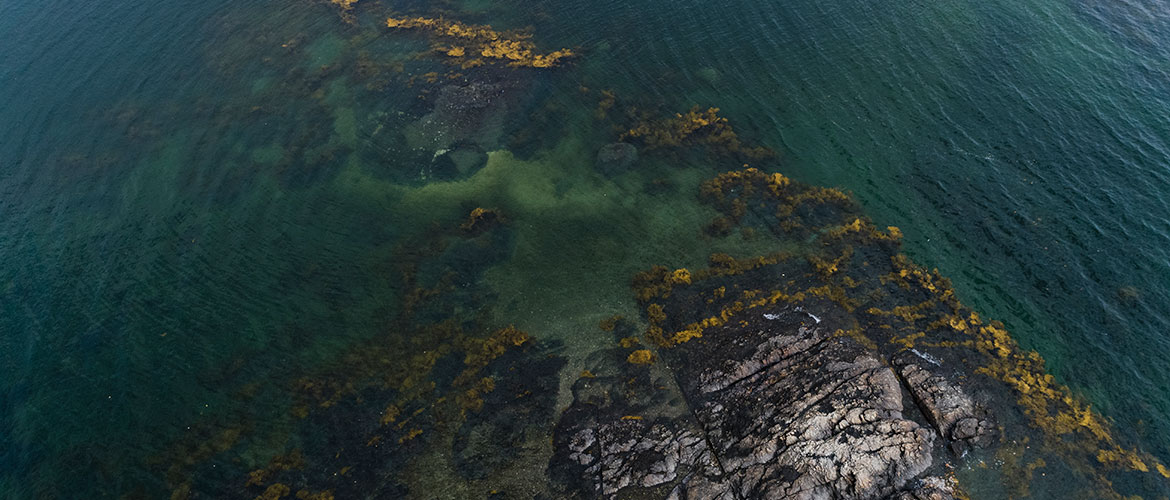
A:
(274, 492)
(797, 207)
(470, 45)
(695, 127)
(345, 8)
(610, 323)
(641, 357)
(292, 460)
(310, 495)
(481, 219)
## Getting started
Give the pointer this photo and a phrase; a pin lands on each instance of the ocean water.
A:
(201, 204)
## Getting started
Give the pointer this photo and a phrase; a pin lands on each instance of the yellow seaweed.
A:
(696, 126)
(468, 45)
(641, 357)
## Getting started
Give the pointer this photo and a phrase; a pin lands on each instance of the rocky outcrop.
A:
(930, 488)
(946, 406)
(802, 414)
(785, 408)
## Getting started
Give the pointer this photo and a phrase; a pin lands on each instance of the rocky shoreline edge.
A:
(781, 408)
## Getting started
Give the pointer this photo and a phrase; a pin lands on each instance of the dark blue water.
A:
(202, 199)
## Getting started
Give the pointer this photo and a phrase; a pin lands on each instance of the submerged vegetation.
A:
(695, 127)
(422, 385)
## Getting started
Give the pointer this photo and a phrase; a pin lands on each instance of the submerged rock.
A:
(468, 160)
(473, 113)
(616, 158)
(784, 409)
(709, 75)
(460, 162)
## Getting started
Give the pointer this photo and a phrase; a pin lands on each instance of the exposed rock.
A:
(930, 488)
(948, 408)
(626, 428)
(780, 411)
(616, 158)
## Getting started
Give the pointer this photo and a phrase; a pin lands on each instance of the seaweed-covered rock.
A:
(503, 434)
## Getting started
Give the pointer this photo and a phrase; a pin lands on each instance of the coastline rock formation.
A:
(781, 409)
(946, 406)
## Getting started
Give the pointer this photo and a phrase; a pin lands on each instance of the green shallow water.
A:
(199, 199)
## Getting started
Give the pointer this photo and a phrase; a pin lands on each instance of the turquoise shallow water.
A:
(197, 199)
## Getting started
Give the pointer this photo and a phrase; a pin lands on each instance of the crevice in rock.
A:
(695, 416)
(923, 408)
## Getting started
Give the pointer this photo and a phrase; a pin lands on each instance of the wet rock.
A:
(616, 158)
(780, 410)
(794, 412)
(625, 428)
(930, 488)
(947, 407)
